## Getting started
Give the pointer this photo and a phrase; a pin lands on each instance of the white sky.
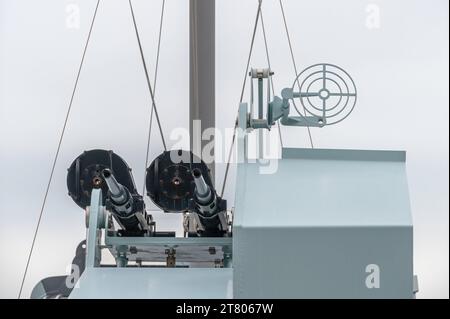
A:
(401, 70)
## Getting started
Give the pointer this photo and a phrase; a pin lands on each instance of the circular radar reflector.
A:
(325, 91)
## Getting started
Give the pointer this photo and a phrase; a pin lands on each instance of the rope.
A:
(154, 90)
(57, 151)
(230, 152)
(295, 64)
(271, 78)
(146, 75)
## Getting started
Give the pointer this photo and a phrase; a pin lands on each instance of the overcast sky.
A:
(399, 64)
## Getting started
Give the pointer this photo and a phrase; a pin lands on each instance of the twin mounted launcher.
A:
(101, 183)
(176, 181)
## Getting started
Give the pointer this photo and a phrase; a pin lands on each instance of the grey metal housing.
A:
(331, 224)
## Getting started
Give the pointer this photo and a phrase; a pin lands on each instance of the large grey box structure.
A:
(326, 224)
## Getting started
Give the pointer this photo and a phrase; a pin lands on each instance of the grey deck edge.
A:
(344, 155)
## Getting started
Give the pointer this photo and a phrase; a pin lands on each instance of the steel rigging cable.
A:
(58, 149)
(259, 14)
(67, 118)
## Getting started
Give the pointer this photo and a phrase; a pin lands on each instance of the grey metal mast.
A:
(202, 71)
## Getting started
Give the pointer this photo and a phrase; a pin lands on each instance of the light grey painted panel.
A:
(322, 262)
(311, 229)
(312, 192)
(153, 283)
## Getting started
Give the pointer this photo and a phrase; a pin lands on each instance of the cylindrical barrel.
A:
(117, 192)
(202, 190)
(122, 203)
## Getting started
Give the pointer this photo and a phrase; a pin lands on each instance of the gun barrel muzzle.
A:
(202, 190)
(117, 191)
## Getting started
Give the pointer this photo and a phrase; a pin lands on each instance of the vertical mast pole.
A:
(202, 73)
